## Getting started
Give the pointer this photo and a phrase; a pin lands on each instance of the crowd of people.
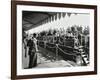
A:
(75, 35)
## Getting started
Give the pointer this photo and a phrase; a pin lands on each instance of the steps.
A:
(84, 56)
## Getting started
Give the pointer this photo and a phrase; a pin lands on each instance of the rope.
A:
(60, 41)
(65, 52)
(64, 46)
(51, 47)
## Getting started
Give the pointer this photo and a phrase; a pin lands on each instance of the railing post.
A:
(44, 44)
(79, 60)
(56, 52)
